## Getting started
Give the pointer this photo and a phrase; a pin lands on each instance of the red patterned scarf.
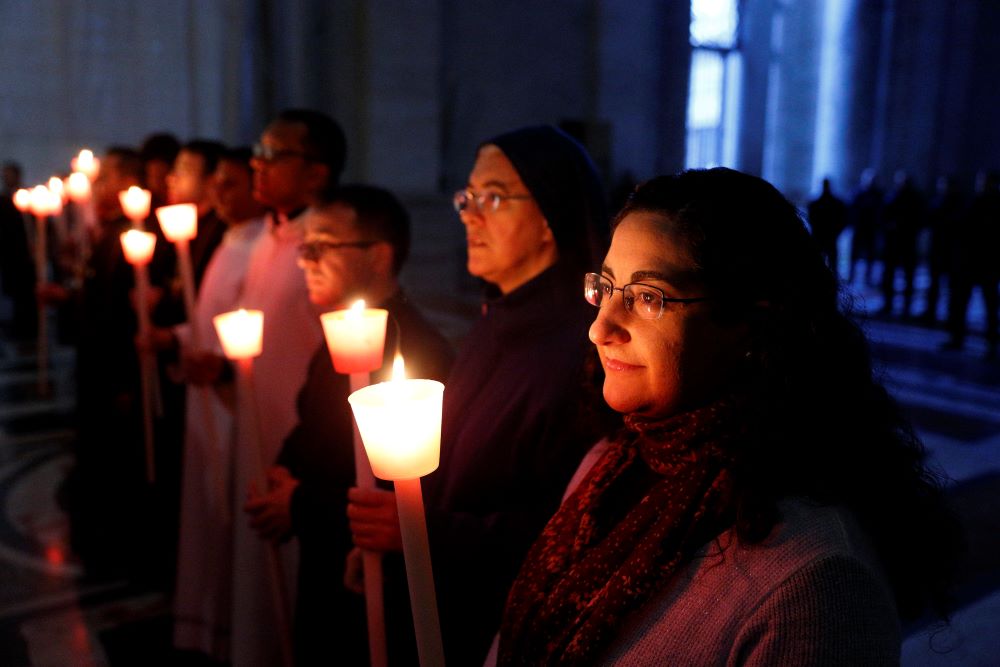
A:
(656, 496)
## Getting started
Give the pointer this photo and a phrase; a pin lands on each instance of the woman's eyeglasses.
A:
(644, 300)
(481, 201)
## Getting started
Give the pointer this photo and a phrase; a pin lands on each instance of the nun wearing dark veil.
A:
(515, 424)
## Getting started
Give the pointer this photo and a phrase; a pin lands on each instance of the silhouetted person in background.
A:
(943, 217)
(827, 219)
(978, 245)
(17, 271)
(902, 220)
(864, 212)
(158, 152)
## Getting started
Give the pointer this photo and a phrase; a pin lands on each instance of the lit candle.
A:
(400, 423)
(22, 200)
(179, 221)
(86, 162)
(78, 187)
(41, 205)
(180, 224)
(241, 333)
(56, 187)
(138, 247)
(355, 337)
(135, 203)
(40, 201)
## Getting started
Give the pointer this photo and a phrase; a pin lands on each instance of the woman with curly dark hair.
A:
(765, 503)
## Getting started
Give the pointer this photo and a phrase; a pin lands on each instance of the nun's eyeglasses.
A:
(481, 201)
(644, 300)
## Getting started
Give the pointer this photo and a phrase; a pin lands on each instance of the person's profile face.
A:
(232, 193)
(335, 274)
(187, 182)
(513, 244)
(658, 367)
(283, 175)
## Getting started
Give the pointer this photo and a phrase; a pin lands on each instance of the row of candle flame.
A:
(399, 422)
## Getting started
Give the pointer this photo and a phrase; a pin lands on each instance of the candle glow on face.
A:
(22, 200)
(240, 332)
(400, 424)
(135, 203)
(138, 246)
(86, 163)
(355, 337)
(78, 187)
(179, 222)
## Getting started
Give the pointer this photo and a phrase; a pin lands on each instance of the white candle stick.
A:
(42, 203)
(138, 247)
(400, 423)
(179, 223)
(356, 340)
(241, 335)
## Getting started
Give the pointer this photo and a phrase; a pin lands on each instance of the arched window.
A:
(714, 92)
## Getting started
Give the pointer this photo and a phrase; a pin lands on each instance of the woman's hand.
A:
(374, 519)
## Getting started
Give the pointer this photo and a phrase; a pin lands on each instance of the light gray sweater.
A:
(812, 593)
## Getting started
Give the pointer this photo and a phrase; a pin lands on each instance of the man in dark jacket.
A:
(354, 247)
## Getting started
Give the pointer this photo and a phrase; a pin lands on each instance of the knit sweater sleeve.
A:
(834, 611)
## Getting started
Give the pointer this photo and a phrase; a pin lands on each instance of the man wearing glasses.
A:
(354, 248)
(296, 164)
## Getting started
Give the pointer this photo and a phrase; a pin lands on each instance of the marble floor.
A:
(54, 613)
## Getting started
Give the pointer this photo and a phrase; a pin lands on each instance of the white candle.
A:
(179, 222)
(355, 337)
(78, 187)
(40, 201)
(138, 246)
(135, 203)
(86, 162)
(57, 188)
(241, 333)
(22, 200)
(400, 423)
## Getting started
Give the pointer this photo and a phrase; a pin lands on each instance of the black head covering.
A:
(564, 182)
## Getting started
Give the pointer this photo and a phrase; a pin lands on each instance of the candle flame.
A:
(398, 368)
(22, 200)
(356, 311)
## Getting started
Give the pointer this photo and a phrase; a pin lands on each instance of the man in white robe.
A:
(297, 162)
(203, 593)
